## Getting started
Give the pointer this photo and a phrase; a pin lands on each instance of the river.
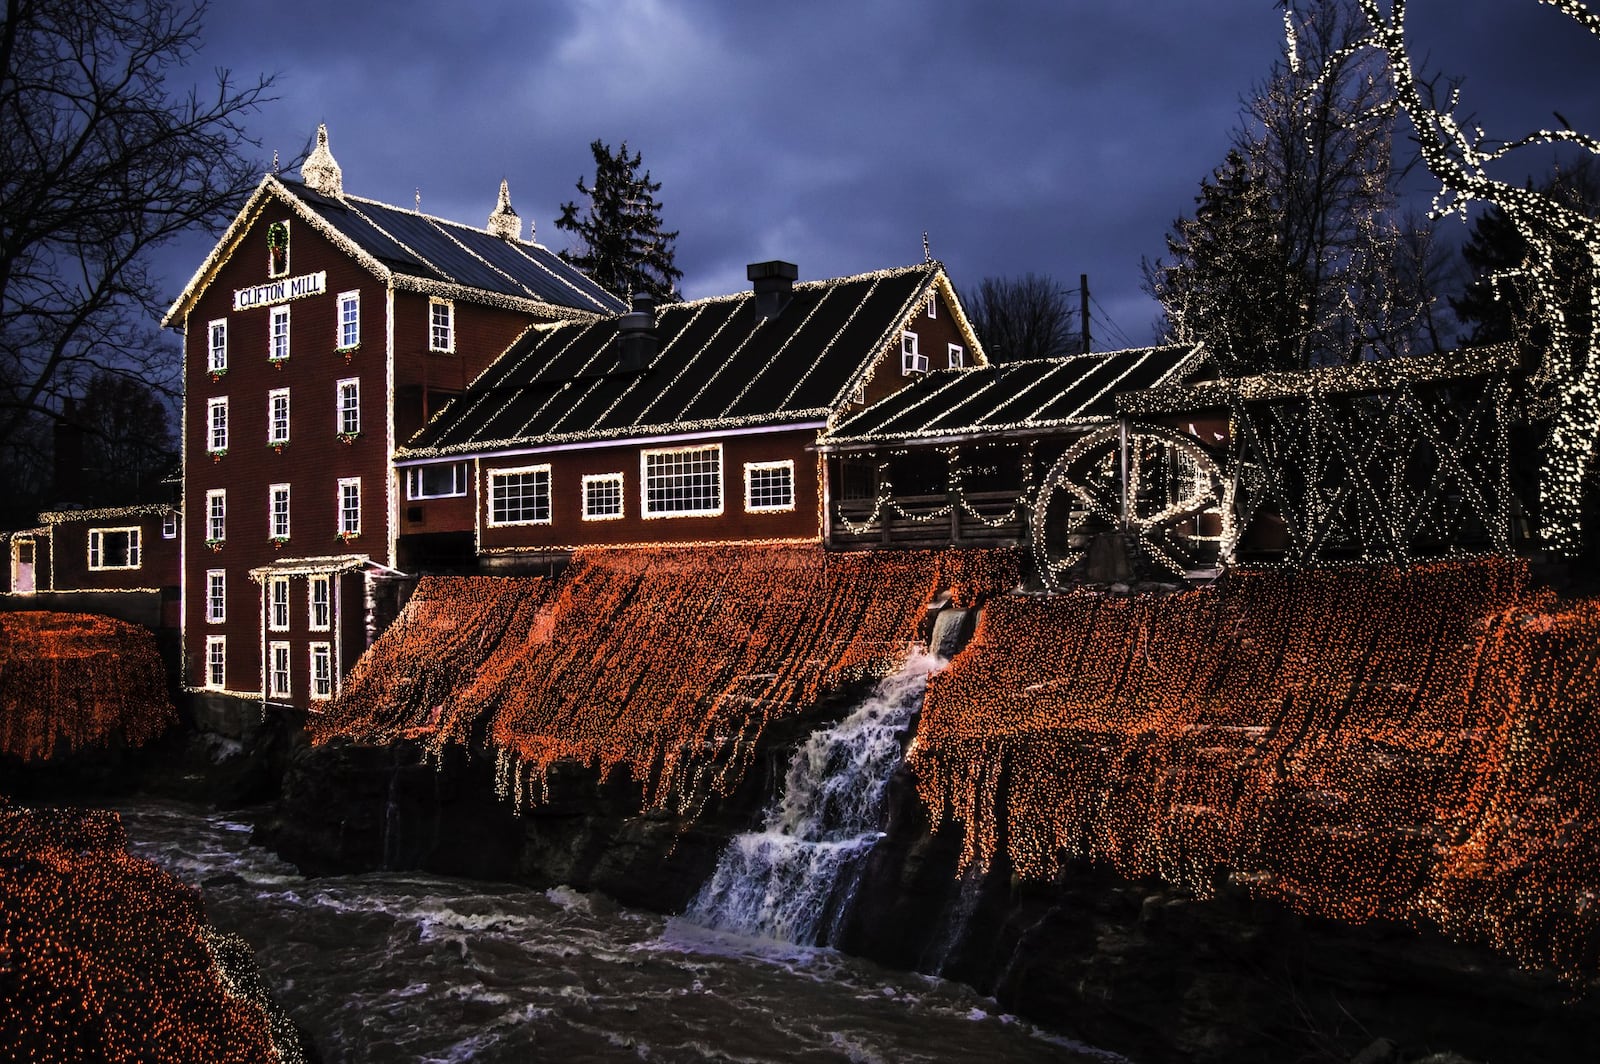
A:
(405, 967)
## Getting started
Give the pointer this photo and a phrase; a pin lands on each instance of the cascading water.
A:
(793, 881)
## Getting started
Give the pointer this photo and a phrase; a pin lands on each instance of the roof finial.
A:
(927, 252)
(320, 171)
(503, 220)
(274, 160)
(418, 200)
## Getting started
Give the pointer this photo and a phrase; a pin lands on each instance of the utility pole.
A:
(1083, 309)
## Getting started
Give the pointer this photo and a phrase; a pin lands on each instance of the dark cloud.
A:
(1051, 137)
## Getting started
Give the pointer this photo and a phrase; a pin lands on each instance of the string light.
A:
(1360, 743)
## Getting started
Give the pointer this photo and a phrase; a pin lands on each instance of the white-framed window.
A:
(319, 595)
(520, 496)
(114, 548)
(958, 356)
(169, 525)
(602, 497)
(441, 325)
(442, 480)
(769, 486)
(278, 603)
(278, 249)
(347, 413)
(278, 416)
(350, 506)
(278, 338)
(911, 361)
(933, 306)
(217, 345)
(681, 481)
(216, 596)
(278, 669)
(321, 671)
(217, 425)
(349, 320)
(216, 515)
(278, 511)
(216, 662)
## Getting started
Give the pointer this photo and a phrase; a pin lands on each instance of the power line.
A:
(1105, 319)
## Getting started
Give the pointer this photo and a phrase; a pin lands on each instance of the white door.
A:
(22, 566)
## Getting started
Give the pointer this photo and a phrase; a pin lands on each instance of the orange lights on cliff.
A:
(105, 957)
(1361, 744)
(665, 662)
(70, 680)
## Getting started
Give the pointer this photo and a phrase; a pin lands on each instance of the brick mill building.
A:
(321, 332)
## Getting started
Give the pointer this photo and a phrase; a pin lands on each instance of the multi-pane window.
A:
(350, 506)
(169, 525)
(349, 319)
(217, 425)
(520, 496)
(278, 603)
(933, 307)
(113, 548)
(682, 481)
(278, 671)
(321, 670)
(441, 325)
(440, 481)
(216, 596)
(278, 338)
(278, 416)
(349, 406)
(217, 515)
(216, 661)
(217, 351)
(911, 361)
(769, 486)
(958, 356)
(278, 510)
(319, 593)
(602, 497)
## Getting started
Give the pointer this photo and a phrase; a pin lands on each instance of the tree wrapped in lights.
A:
(71, 680)
(1460, 156)
(1363, 743)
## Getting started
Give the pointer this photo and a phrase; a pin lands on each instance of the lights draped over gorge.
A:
(667, 662)
(1359, 743)
(73, 680)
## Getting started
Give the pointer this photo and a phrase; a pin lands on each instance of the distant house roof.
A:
(417, 252)
(1013, 398)
(719, 366)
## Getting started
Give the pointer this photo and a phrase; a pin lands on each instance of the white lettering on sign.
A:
(274, 292)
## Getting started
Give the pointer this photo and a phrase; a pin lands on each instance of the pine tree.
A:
(622, 246)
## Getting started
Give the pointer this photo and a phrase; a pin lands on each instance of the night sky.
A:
(1054, 137)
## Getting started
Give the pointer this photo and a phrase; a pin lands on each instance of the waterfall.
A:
(793, 880)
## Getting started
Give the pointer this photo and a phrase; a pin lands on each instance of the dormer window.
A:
(278, 249)
(911, 362)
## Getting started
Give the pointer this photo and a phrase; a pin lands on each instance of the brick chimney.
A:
(636, 334)
(774, 286)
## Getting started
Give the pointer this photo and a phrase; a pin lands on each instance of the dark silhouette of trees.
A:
(622, 245)
(101, 161)
(1022, 317)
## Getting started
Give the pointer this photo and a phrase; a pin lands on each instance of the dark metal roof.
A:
(1033, 396)
(433, 249)
(719, 366)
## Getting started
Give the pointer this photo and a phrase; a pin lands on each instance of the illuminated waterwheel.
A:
(1179, 505)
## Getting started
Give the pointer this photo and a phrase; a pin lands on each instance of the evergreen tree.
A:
(622, 246)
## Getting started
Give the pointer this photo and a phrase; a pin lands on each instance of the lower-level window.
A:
(318, 592)
(682, 481)
(278, 670)
(321, 670)
(520, 496)
(216, 596)
(769, 486)
(113, 548)
(602, 497)
(216, 661)
(350, 506)
(278, 604)
(440, 481)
